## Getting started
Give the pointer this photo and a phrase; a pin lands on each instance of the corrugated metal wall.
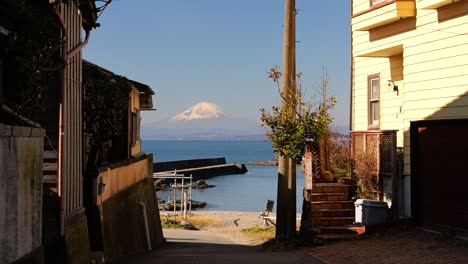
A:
(72, 145)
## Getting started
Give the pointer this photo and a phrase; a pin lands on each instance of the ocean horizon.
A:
(246, 192)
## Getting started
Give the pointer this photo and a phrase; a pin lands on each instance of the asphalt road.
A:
(204, 247)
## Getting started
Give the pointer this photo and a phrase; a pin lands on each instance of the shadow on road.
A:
(197, 247)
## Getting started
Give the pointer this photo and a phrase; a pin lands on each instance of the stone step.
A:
(49, 154)
(346, 229)
(332, 205)
(334, 233)
(332, 221)
(344, 180)
(330, 188)
(317, 197)
(332, 213)
(49, 167)
(336, 237)
(49, 179)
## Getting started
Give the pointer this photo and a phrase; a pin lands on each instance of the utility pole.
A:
(286, 205)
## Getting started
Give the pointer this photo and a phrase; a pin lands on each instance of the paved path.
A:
(204, 247)
(395, 246)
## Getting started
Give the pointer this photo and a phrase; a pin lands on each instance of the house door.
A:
(440, 165)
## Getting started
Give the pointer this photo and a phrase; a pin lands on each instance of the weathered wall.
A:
(187, 164)
(123, 231)
(120, 178)
(76, 239)
(21, 151)
(72, 163)
(122, 222)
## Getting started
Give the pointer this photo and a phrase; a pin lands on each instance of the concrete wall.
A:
(122, 226)
(21, 151)
(120, 178)
(213, 171)
(77, 244)
(187, 164)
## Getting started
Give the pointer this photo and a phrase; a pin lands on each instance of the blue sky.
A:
(220, 51)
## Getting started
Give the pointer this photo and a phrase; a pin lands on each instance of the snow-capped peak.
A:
(202, 110)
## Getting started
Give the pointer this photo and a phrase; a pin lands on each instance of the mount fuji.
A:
(202, 110)
(203, 121)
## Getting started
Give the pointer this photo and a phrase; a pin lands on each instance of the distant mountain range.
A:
(208, 121)
(203, 121)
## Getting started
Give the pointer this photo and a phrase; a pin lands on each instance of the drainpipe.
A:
(145, 224)
(78, 48)
(66, 55)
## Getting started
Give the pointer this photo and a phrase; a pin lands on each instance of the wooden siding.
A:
(431, 70)
(72, 193)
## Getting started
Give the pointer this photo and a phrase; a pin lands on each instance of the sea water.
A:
(241, 192)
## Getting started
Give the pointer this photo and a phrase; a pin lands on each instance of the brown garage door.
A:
(440, 169)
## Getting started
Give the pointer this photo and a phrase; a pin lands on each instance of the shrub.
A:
(366, 179)
(171, 223)
(288, 125)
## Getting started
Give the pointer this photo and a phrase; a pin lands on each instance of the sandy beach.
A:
(230, 223)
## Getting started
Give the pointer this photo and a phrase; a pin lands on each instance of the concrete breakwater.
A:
(200, 168)
(264, 163)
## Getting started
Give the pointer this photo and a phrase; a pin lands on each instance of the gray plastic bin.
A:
(370, 212)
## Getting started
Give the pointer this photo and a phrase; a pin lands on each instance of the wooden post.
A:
(175, 194)
(286, 206)
(185, 205)
(190, 195)
(182, 195)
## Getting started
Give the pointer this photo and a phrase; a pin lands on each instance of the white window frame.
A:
(374, 2)
(374, 100)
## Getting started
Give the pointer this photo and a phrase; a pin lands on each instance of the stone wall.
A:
(21, 151)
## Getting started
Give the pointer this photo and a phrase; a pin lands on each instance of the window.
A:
(135, 127)
(374, 2)
(374, 100)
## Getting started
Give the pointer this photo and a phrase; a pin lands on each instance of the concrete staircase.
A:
(50, 202)
(331, 205)
(49, 167)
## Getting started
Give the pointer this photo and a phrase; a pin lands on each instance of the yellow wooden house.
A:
(410, 77)
(140, 100)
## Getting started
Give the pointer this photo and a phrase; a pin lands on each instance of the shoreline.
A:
(230, 224)
(234, 219)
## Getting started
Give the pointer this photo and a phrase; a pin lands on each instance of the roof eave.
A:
(89, 13)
